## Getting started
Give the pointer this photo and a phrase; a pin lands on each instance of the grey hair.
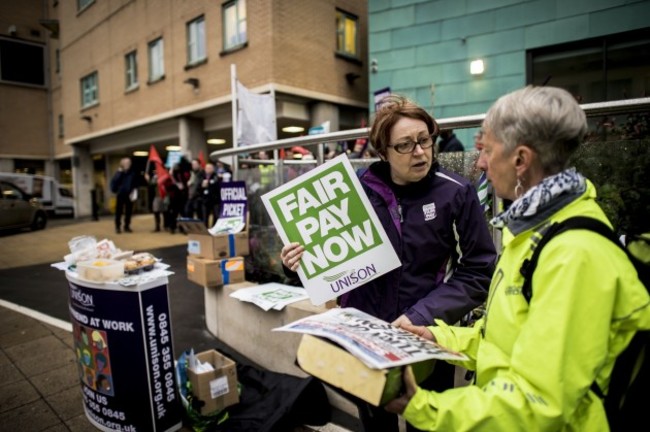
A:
(546, 119)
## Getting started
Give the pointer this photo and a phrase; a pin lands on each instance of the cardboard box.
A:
(204, 272)
(232, 270)
(334, 365)
(202, 244)
(217, 388)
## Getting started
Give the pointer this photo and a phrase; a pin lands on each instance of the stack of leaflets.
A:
(271, 295)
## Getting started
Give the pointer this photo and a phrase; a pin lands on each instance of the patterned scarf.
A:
(542, 196)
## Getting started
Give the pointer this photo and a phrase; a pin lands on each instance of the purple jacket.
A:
(439, 232)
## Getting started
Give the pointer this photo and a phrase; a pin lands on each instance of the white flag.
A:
(256, 117)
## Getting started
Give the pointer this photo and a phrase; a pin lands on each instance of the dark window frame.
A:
(601, 50)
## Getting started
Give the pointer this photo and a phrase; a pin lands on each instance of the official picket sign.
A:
(327, 211)
(233, 200)
(123, 345)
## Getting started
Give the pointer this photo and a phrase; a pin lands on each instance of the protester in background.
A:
(178, 194)
(223, 172)
(433, 220)
(123, 184)
(483, 185)
(267, 171)
(194, 207)
(448, 142)
(157, 204)
(209, 190)
(536, 362)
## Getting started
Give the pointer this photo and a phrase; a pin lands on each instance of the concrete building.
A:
(122, 75)
(424, 49)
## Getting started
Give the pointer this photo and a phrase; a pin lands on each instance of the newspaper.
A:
(271, 295)
(375, 342)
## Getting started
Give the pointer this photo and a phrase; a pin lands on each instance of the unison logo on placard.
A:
(348, 279)
(81, 297)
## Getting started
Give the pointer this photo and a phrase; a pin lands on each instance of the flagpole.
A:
(233, 89)
(276, 159)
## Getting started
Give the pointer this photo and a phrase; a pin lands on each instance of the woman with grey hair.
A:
(537, 360)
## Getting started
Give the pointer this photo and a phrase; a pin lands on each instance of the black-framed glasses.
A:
(406, 147)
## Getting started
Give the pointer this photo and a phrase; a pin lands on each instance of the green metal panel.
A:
(495, 43)
(380, 42)
(525, 14)
(468, 25)
(393, 19)
(417, 77)
(454, 32)
(453, 72)
(416, 35)
(631, 17)
(513, 63)
(483, 5)
(554, 32)
(378, 5)
(396, 59)
(440, 52)
(447, 94)
(439, 10)
(581, 7)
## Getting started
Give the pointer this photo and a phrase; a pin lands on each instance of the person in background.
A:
(267, 171)
(178, 193)
(123, 183)
(194, 207)
(157, 204)
(482, 186)
(209, 191)
(536, 361)
(478, 141)
(223, 172)
(448, 142)
(435, 223)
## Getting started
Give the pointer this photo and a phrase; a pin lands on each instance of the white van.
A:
(54, 198)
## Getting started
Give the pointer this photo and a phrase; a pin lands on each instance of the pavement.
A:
(39, 382)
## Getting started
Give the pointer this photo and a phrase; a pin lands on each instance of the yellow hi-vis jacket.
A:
(535, 363)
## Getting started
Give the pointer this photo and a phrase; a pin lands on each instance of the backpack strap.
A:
(577, 222)
(626, 363)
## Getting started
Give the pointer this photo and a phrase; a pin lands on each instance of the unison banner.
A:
(327, 211)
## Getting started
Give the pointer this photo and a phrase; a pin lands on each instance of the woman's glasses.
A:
(406, 147)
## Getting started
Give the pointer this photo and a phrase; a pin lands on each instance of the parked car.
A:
(18, 209)
(55, 199)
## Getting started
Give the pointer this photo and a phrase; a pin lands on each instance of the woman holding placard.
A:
(434, 221)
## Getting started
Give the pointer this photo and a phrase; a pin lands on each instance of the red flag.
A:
(161, 171)
(154, 156)
(201, 159)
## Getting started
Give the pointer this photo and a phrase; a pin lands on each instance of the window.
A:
(346, 34)
(89, 90)
(131, 70)
(60, 125)
(234, 24)
(22, 62)
(57, 60)
(156, 60)
(83, 4)
(196, 41)
(613, 67)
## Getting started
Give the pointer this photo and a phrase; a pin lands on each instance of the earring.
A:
(519, 189)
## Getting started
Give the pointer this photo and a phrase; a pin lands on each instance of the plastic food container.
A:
(100, 270)
(139, 262)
